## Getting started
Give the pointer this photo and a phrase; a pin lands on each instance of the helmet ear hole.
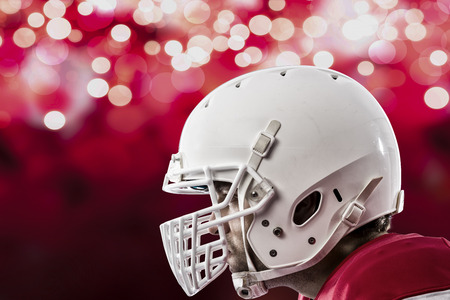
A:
(307, 208)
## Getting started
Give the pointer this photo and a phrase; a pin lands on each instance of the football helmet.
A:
(280, 136)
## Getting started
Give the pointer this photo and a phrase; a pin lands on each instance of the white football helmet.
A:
(280, 135)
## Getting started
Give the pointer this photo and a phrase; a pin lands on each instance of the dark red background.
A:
(80, 207)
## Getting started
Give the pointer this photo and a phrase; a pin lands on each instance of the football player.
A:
(303, 171)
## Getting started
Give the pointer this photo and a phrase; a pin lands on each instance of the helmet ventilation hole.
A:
(307, 208)
(238, 85)
(283, 73)
(334, 76)
(338, 195)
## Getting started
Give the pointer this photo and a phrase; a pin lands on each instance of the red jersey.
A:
(392, 266)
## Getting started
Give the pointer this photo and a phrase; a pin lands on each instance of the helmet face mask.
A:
(283, 138)
(195, 257)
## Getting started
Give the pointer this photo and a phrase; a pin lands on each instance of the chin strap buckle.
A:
(353, 214)
(247, 287)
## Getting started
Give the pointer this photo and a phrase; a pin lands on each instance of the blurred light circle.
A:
(156, 15)
(255, 54)
(101, 65)
(305, 46)
(75, 36)
(146, 5)
(162, 88)
(201, 41)
(226, 16)
(52, 52)
(240, 30)
(8, 68)
(386, 4)
(396, 78)
(436, 97)
(130, 67)
(42, 79)
(365, 68)
(444, 5)
(188, 81)
(202, 30)
(361, 7)
(382, 52)
(143, 18)
(385, 97)
(105, 5)
(10, 7)
(389, 33)
(236, 42)
(415, 32)
(168, 6)
(1, 40)
(277, 5)
(428, 67)
(414, 15)
(120, 95)
(197, 54)
(363, 26)
(54, 9)
(220, 43)
(323, 59)
(260, 25)
(315, 26)
(287, 58)
(85, 8)
(220, 26)
(197, 12)
(423, 72)
(36, 20)
(434, 12)
(173, 47)
(97, 88)
(181, 62)
(59, 28)
(121, 33)
(243, 59)
(282, 29)
(54, 120)
(438, 58)
(152, 47)
(24, 37)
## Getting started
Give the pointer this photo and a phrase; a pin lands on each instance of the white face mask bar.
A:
(194, 260)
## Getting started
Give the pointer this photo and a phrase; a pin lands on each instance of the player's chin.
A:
(235, 265)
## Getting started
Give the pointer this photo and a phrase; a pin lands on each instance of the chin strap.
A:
(249, 285)
(246, 285)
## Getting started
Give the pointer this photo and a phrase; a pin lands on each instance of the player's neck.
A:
(308, 282)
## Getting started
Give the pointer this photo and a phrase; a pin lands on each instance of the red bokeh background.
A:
(80, 206)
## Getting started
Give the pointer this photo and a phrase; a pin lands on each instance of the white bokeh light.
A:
(54, 120)
(101, 65)
(436, 97)
(173, 47)
(287, 58)
(98, 88)
(438, 58)
(361, 27)
(59, 28)
(315, 26)
(121, 33)
(323, 59)
(105, 5)
(366, 68)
